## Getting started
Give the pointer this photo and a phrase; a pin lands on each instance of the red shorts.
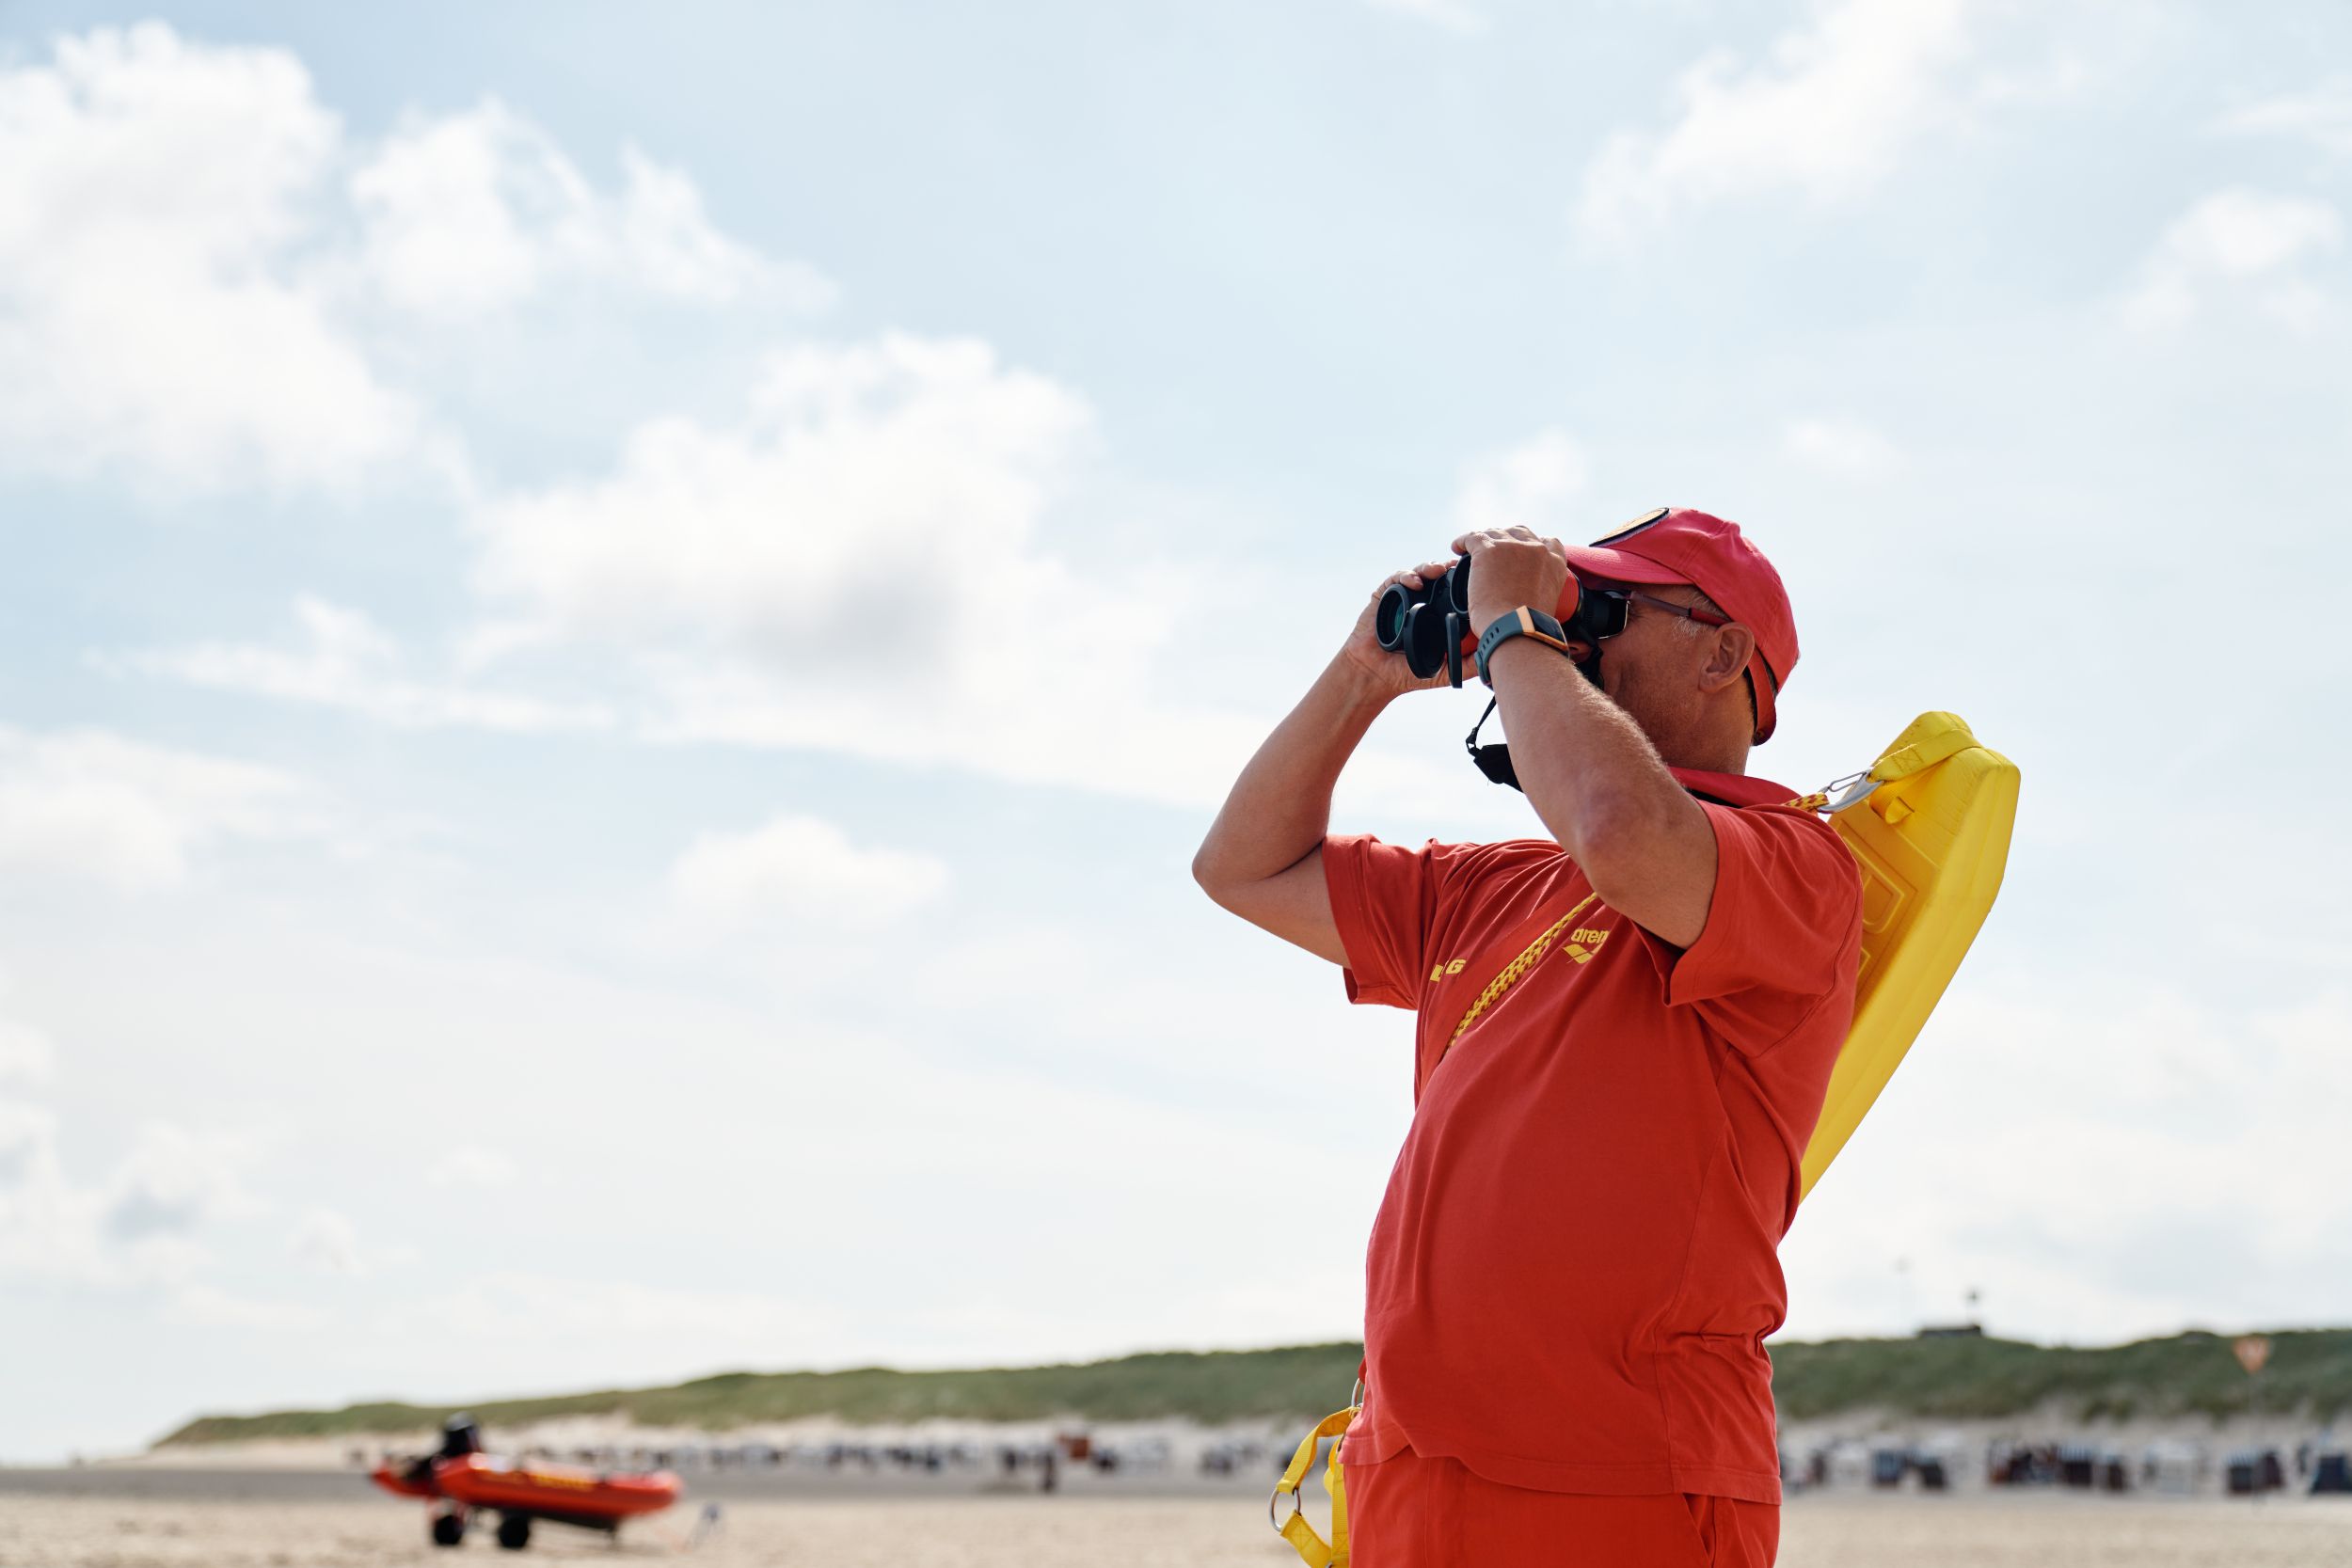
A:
(1407, 1512)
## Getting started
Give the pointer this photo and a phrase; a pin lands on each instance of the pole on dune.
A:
(2253, 1354)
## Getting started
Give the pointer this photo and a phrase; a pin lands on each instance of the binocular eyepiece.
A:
(1430, 625)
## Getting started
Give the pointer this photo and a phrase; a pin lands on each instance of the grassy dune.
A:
(2189, 1374)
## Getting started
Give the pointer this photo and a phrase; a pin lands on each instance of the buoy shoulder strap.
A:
(1925, 741)
(1311, 1548)
(1931, 738)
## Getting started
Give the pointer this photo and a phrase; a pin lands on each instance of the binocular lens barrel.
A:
(1418, 622)
(1387, 621)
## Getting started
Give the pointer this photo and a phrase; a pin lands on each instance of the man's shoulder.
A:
(1797, 847)
(1516, 859)
(1804, 828)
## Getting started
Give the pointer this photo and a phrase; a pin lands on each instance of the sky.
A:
(614, 640)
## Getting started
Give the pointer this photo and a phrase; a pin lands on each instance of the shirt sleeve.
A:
(1384, 900)
(1783, 929)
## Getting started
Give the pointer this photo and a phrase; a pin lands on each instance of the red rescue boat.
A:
(554, 1490)
(461, 1478)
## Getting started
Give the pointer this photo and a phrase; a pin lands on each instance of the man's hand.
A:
(1510, 567)
(1389, 673)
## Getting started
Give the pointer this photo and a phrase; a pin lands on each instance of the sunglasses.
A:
(1601, 613)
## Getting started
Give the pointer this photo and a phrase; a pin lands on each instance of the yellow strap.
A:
(1517, 967)
(1930, 739)
(1311, 1548)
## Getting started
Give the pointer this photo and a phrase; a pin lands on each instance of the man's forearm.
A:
(1280, 807)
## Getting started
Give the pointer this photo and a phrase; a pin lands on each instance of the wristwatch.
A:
(1521, 622)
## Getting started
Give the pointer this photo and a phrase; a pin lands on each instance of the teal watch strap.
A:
(1521, 622)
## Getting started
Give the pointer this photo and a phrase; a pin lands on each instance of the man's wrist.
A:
(1516, 650)
(1359, 687)
(1523, 625)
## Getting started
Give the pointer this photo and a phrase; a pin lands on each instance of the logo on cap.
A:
(1647, 519)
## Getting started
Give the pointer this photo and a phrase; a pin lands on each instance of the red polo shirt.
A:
(1574, 1268)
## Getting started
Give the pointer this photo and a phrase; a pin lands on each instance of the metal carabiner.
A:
(1857, 789)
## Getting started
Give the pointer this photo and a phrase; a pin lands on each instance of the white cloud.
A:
(27, 1055)
(471, 211)
(1828, 112)
(28, 1138)
(1455, 16)
(583, 1320)
(857, 566)
(2322, 115)
(2252, 244)
(92, 804)
(209, 1306)
(153, 195)
(887, 478)
(47, 1228)
(473, 1167)
(346, 661)
(805, 869)
(326, 1240)
(1839, 447)
(174, 1182)
(191, 296)
(1530, 485)
(140, 1226)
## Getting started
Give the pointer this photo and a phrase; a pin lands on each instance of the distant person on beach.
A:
(1625, 1031)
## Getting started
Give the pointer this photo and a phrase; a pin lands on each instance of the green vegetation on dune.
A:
(1218, 1385)
(2189, 1374)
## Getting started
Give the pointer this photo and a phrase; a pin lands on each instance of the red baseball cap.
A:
(1675, 545)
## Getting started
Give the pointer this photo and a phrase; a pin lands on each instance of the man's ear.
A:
(1728, 660)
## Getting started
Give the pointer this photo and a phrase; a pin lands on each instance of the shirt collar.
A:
(1732, 789)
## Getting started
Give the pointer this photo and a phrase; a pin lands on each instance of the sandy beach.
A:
(39, 1531)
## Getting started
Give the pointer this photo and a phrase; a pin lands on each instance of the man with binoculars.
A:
(1625, 1033)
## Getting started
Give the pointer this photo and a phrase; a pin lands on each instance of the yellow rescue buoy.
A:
(1929, 824)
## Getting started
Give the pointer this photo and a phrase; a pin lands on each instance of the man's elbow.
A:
(1654, 868)
(1213, 880)
(1235, 889)
(1617, 836)
(1230, 893)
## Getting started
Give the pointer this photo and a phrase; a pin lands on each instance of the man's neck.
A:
(1722, 756)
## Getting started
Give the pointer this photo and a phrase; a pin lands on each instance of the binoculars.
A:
(1430, 625)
